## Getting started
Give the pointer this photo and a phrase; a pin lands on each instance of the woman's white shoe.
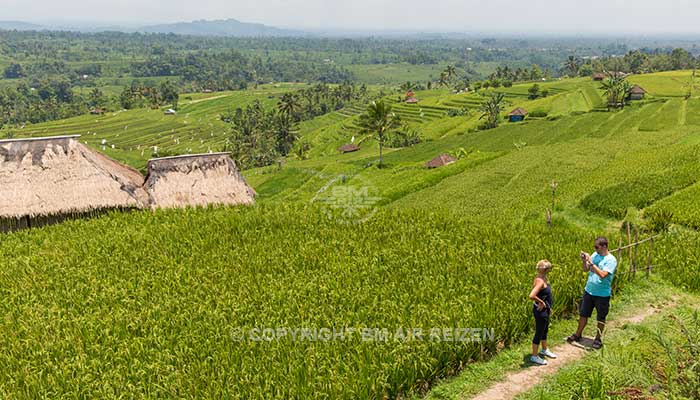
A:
(538, 360)
(547, 353)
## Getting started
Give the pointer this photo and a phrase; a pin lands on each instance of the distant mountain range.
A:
(225, 27)
(20, 26)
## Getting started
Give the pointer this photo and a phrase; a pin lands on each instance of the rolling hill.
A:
(224, 27)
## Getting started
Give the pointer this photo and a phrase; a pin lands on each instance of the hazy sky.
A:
(592, 16)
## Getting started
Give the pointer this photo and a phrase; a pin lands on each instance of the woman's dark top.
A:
(546, 295)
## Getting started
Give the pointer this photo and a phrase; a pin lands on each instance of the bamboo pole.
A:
(629, 252)
(651, 255)
(635, 250)
(634, 244)
(619, 253)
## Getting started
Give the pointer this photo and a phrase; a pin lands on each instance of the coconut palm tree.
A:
(289, 104)
(491, 110)
(450, 71)
(443, 81)
(377, 122)
(572, 65)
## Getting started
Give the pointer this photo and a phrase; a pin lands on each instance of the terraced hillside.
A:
(335, 242)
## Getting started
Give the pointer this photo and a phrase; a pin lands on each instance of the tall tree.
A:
(289, 104)
(377, 122)
(491, 110)
(572, 65)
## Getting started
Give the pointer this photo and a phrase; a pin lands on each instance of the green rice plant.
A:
(151, 300)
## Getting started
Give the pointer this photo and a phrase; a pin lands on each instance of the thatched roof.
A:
(441, 160)
(598, 76)
(636, 89)
(196, 180)
(518, 111)
(348, 148)
(59, 175)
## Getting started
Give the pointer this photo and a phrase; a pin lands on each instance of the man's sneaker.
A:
(597, 344)
(537, 360)
(573, 338)
(547, 353)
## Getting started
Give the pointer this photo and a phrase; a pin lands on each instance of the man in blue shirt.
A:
(601, 271)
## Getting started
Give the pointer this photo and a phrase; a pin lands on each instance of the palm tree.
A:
(289, 104)
(572, 65)
(491, 110)
(450, 71)
(377, 122)
(617, 90)
(443, 79)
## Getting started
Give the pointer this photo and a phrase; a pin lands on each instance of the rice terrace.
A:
(361, 209)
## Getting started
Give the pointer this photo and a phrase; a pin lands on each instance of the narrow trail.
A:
(521, 381)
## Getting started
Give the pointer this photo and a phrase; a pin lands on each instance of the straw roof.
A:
(598, 76)
(636, 89)
(348, 148)
(441, 160)
(196, 180)
(59, 175)
(518, 111)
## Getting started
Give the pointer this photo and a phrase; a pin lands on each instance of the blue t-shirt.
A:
(597, 286)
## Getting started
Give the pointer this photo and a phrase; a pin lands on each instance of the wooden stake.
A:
(619, 252)
(634, 260)
(629, 250)
(651, 255)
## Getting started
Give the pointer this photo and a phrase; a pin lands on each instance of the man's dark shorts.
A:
(589, 302)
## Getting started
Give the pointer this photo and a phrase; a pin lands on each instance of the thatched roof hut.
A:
(517, 115)
(196, 180)
(348, 148)
(53, 176)
(598, 76)
(637, 92)
(439, 161)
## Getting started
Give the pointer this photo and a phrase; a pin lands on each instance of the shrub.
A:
(538, 113)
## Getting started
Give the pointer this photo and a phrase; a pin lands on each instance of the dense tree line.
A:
(48, 100)
(259, 136)
(140, 95)
(636, 62)
(321, 99)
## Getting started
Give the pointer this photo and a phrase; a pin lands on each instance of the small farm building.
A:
(196, 180)
(637, 93)
(348, 148)
(46, 179)
(439, 161)
(517, 115)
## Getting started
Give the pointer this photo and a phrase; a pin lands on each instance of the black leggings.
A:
(541, 328)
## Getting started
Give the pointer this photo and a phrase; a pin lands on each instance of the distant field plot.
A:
(684, 205)
(669, 84)
(132, 136)
(692, 116)
(394, 73)
(664, 115)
